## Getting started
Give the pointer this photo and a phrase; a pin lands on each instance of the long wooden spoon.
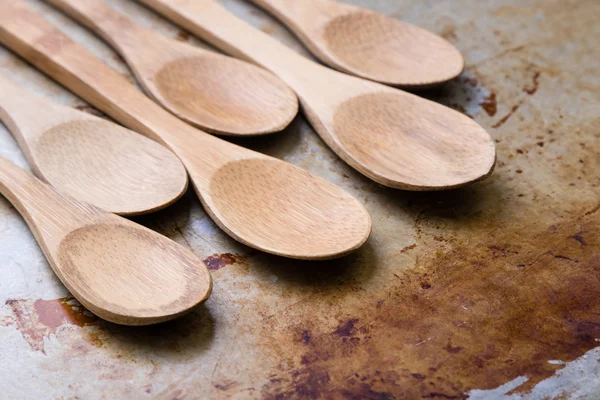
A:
(261, 201)
(89, 158)
(211, 91)
(393, 137)
(367, 44)
(121, 271)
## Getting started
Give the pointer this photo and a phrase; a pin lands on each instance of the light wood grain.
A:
(262, 202)
(393, 137)
(89, 158)
(214, 92)
(367, 44)
(121, 271)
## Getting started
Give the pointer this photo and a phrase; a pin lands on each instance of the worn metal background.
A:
(485, 292)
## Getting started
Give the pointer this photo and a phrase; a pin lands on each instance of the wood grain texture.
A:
(214, 92)
(89, 158)
(247, 217)
(368, 44)
(395, 138)
(121, 271)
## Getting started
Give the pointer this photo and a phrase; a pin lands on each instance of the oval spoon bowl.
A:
(89, 158)
(385, 50)
(224, 95)
(286, 211)
(125, 273)
(109, 166)
(382, 123)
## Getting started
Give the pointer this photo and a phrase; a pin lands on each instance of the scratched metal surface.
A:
(485, 292)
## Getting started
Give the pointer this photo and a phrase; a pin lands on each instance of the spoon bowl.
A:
(128, 278)
(286, 211)
(80, 159)
(250, 103)
(368, 44)
(421, 162)
(211, 91)
(89, 158)
(382, 49)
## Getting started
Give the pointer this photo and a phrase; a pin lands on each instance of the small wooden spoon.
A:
(89, 158)
(393, 137)
(263, 202)
(121, 271)
(209, 90)
(367, 44)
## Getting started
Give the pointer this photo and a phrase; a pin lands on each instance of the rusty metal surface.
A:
(488, 292)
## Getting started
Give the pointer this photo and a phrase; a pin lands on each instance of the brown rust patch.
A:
(41, 318)
(218, 261)
(531, 90)
(503, 120)
(490, 104)
(494, 311)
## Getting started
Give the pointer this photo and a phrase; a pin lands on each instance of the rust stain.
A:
(531, 90)
(503, 120)
(218, 261)
(493, 311)
(490, 105)
(41, 318)
(408, 248)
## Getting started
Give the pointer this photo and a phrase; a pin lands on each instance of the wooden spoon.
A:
(121, 271)
(263, 202)
(89, 158)
(393, 137)
(211, 91)
(368, 44)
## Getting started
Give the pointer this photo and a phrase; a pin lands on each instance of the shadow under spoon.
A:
(260, 201)
(368, 44)
(89, 158)
(393, 137)
(121, 271)
(211, 91)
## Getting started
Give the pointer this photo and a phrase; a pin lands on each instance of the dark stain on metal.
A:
(535, 85)
(481, 324)
(503, 120)
(345, 328)
(578, 236)
(218, 261)
(490, 104)
(408, 248)
(42, 318)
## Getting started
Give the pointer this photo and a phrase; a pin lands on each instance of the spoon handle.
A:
(209, 20)
(36, 202)
(16, 107)
(118, 30)
(297, 13)
(27, 116)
